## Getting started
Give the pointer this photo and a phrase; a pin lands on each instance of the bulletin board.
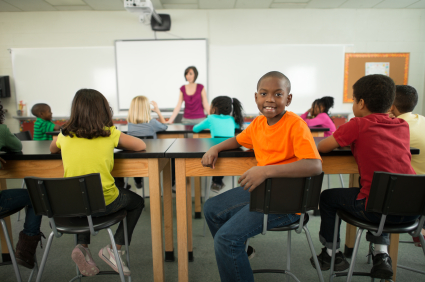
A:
(355, 68)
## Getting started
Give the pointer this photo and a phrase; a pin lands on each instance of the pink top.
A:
(322, 120)
(193, 107)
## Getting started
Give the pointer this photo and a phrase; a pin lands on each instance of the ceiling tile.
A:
(253, 4)
(288, 5)
(216, 4)
(325, 4)
(179, 2)
(106, 5)
(31, 5)
(74, 8)
(417, 5)
(394, 4)
(180, 6)
(359, 4)
(66, 2)
(6, 7)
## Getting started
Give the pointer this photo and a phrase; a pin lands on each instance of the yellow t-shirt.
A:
(417, 139)
(82, 156)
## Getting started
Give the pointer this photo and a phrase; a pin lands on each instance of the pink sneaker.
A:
(107, 254)
(83, 259)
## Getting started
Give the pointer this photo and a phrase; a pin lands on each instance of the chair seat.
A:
(388, 228)
(292, 226)
(9, 213)
(77, 225)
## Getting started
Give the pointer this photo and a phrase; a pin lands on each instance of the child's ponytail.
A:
(327, 102)
(237, 111)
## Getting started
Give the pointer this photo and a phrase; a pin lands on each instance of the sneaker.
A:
(250, 252)
(382, 266)
(139, 185)
(216, 187)
(84, 261)
(107, 254)
(324, 259)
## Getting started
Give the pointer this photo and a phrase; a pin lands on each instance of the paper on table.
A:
(378, 68)
(117, 150)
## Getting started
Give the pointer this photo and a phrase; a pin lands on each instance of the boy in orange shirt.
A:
(284, 147)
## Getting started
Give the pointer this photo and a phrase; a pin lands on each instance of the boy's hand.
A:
(57, 127)
(1, 163)
(209, 158)
(252, 178)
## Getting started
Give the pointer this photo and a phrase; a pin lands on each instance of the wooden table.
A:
(36, 160)
(188, 154)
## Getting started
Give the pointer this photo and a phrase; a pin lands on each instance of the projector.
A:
(145, 10)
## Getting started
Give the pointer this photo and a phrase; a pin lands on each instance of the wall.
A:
(366, 31)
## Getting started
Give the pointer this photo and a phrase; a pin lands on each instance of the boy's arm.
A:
(327, 145)
(210, 157)
(57, 127)
(302, 168)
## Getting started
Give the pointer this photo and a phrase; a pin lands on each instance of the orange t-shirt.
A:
(287, 141)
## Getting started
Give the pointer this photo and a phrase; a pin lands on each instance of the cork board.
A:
(355, 69)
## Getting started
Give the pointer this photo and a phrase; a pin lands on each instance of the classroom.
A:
(50, 49)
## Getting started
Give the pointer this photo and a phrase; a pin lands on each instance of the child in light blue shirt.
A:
(226, 115)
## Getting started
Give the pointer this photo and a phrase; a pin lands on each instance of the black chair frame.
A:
(66, 201)
(389, 194)
(302, 195)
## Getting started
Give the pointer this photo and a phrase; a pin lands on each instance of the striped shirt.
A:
(42, 126)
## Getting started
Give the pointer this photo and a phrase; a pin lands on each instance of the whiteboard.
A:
(314, 71)
(54, 75)
(155, 69)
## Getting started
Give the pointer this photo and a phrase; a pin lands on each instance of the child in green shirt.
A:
(44, 122)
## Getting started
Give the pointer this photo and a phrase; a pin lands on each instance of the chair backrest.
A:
(397, 194)
(66, 197)
(145, 137)
(178, 118)
(287, 195)
(24, 136)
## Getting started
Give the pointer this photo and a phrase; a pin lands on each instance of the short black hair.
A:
(377, 92)
(406, 98)
(1, 113)
(276, 74)
(195, 71)
(37, 109)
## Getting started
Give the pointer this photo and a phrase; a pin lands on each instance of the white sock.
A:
(380, 249)
(329, 251)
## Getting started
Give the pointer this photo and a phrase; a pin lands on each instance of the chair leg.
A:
(353, 258)
(44, 259)
(34, 269)
(313, 253)
(233, 182)
(329, 181)
(207, 196)
(11, 252)
(421, 238)
(369, 257)
(125, 182)
(126, 245)
(117, 257)
(332, 273)
(342, 181)
(246, 245)
(288, 255)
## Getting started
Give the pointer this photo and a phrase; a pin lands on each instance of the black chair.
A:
(288, 195)
(69, 204)
(390, 194)
(10, 247)
(23, 136)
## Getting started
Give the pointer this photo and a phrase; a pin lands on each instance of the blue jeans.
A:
(18, 198)
(345, 199)
(231, 224)
(126, 200)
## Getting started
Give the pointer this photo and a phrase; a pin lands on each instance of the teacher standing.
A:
(194, 97)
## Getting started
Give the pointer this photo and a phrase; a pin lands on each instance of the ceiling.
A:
(117, 5)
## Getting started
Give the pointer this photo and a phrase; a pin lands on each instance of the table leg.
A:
(168, 213)
(198, 196)
(5, 250)
(181, 207)
(393, 252)
(189, 220)
(156, 220)
(350, 231)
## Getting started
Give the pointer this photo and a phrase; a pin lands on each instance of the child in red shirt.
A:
(378, 143)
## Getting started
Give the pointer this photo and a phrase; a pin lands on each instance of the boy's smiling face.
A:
(272, 98)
